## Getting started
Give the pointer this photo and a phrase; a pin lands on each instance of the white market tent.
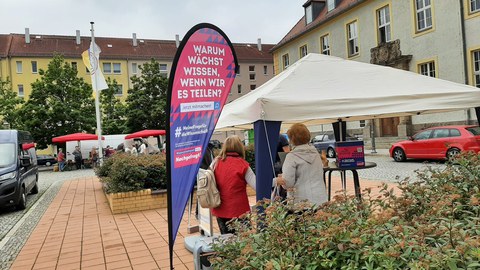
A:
(321, 89)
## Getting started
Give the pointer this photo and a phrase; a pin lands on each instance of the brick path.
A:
(78, 231)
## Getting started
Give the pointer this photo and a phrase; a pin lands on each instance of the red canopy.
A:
(146, 133)
(75, 137)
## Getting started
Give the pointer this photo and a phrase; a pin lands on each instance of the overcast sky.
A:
(242, 20)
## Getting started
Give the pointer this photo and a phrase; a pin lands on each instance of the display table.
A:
(332, 166)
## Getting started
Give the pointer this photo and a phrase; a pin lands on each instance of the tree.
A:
(9, 105)
(113, 110)
(60, 103)
(147, 101)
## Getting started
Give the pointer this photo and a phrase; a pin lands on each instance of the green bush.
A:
(433, 224)
(250, 155)
(123, 173)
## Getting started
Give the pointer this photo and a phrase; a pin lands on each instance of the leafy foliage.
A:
(433, 224)
(9, 104)
(124, 172)
(60, 103)
(250, 156)
(113, 110)
(147, 101)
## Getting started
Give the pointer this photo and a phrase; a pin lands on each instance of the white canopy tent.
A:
(321, 89)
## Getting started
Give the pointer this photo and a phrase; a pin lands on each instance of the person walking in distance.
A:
(61, 160)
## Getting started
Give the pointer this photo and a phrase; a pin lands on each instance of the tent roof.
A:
(75, 137)
(146, 133)
(321, 89)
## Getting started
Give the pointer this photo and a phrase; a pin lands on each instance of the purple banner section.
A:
(204, 72)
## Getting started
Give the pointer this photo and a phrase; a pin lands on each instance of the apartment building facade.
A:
(23, 55)
(432, 37)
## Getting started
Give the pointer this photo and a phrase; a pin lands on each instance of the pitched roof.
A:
(4, 45)
(301, 28)
(118, 48)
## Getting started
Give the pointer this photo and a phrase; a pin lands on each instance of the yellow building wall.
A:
(27, 77)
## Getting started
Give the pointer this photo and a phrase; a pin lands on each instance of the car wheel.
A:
(399, 155)
(330, 152)
(452, 153)
(22, 202)
(48, 163)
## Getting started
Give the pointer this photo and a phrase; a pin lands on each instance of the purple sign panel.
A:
(202, 74)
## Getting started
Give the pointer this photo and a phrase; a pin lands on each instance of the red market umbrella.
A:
(75, 137)
(146, 133)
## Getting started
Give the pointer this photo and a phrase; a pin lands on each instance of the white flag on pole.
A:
(91, 61)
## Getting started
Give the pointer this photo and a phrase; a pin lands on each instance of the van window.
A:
(7, 154)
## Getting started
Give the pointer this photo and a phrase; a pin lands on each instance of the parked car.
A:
(444, 142)
(46, 160)
(326, 141)
(18, 168)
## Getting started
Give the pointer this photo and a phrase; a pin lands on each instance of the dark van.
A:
(18, 168)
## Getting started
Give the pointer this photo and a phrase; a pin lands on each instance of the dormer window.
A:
(312, 9)
(308, 14)
(330, 5)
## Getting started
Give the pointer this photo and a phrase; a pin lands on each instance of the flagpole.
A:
(97, 93)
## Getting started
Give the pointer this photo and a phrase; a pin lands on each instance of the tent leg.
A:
(340, 130)
(477, 112)
(266, 140)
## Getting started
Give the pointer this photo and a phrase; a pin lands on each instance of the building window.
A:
(265, 70)
(309, 14)
(285, 61)
(163, 70)
(34, 67)
(21, 92)
(476, 67)
(239, 88)
(383, 20)
(474, 6)
(423, 9)
(330, 5)
(362, 123)
(117, 68)
(238, 70)
(119, 90)
(427, 69)
(253, 86)
(251, 68)
(19, 67)
(352, 35)
(325, 45)
(74, 65)
(107, 68)
(303, 51)
(252, 76)
(134, 68)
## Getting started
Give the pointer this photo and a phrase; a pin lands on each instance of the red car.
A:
(438, 143)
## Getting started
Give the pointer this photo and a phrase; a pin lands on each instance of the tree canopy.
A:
(147, 101)
(9, 102)
(113, 110)
(60, 104)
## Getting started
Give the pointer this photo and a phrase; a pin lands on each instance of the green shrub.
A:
(250, 155)
(123, 173)
(433, 224)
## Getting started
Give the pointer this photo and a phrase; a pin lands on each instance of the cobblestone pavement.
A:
(389, 170)
(16, 226)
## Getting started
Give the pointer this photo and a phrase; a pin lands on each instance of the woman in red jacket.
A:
(232, 173)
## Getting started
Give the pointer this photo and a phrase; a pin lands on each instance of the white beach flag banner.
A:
(91, 61)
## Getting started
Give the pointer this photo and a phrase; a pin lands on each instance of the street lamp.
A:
(372, 135)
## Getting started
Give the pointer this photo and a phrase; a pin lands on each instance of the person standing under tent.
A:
(232, 174)
(303, 168)
(78, 157)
